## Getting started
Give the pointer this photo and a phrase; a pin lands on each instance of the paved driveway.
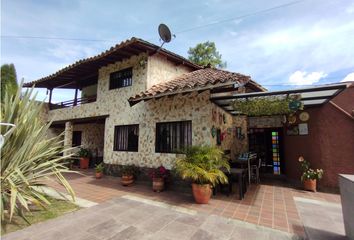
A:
(130, 217)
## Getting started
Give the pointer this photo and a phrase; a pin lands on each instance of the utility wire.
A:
(178, 32)
(241, 16)
(57, 38)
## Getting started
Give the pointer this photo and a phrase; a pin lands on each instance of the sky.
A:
(281, 44)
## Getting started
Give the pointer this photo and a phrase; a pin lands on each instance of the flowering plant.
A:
(307, 172)
(160, 172)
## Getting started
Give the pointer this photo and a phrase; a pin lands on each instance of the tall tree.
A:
(206, 54)
(9, 83)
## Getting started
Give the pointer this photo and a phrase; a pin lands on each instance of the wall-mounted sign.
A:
(303, 129)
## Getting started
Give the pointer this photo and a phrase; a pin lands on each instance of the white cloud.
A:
(304, 78)
(349, 78)
(233, 33)
(237, 21)
(70, 51)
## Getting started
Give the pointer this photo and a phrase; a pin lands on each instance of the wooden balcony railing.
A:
(72, 103)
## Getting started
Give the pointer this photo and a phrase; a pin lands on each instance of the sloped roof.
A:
(80, 70)
(206, 78)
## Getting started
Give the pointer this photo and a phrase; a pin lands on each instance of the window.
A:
(126, 138)
(122, 78)
(173, 136)
(76, 138)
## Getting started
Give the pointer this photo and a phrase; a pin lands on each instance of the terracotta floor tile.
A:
(268, 204)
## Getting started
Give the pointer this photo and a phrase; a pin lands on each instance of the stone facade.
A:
(92, 137)
(113, 104)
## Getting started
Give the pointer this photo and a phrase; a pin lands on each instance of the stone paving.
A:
(267, 204)
(322, 221)
(131, 217)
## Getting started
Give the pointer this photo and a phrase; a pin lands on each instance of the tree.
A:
(205, 54)
(8, 80)
(28, 158)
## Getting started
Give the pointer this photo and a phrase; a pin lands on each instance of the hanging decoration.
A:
(223, 136)
(304, 116)
(239, 133)
(265, 106)
(213, 131)
(220, 118)
(218, 136)
(214, 115)
(292, 118)
(294, 105)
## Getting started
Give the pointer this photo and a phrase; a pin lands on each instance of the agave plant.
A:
(28, 158)
(203, 165)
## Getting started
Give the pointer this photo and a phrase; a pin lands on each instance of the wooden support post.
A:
(50, 98)
(75, 99)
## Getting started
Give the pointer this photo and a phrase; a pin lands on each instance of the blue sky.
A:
(309, 42)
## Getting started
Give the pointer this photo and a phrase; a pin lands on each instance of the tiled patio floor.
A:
(271, 205)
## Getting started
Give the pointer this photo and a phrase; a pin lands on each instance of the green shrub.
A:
(203, 165)
(28, 158)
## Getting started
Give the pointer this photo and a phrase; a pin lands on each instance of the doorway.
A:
(77, 136)
(268, 144)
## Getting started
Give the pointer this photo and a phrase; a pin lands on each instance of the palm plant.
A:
(28, 158)
(203, 165)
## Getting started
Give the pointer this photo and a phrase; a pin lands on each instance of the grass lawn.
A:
(57, 208)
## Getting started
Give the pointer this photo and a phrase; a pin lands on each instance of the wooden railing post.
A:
(50, 98)
(75, 99)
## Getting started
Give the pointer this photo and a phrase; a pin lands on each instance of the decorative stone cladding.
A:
(227, 123)
(92, 137)
(195, 107)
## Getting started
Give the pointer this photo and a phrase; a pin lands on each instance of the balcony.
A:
(72, 103)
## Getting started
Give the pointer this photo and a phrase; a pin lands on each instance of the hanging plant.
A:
(265, 106)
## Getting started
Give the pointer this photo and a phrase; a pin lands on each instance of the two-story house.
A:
(141, 103)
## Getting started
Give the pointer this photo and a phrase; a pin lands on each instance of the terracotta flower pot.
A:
(158, 184)
(127, 180)
(99, 175)
(310, 184)
(201, 193)
(84, 163)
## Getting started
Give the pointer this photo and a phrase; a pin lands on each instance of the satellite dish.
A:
(165, 33)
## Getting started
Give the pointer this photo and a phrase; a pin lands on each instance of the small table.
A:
(240, 173)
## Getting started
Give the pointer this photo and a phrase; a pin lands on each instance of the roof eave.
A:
(132, 101)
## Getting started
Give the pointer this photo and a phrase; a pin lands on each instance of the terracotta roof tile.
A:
(92, 64)
(207, 77)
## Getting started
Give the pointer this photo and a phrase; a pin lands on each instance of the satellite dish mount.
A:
(165, 34)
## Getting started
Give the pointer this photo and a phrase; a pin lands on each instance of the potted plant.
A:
(99, 170)
(203, 165)
(309, 176)
(128, 174)
(84, 155)
(158, 176)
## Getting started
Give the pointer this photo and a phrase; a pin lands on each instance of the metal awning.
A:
(312, 96)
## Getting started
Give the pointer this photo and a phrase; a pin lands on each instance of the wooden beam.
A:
(222, 90)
